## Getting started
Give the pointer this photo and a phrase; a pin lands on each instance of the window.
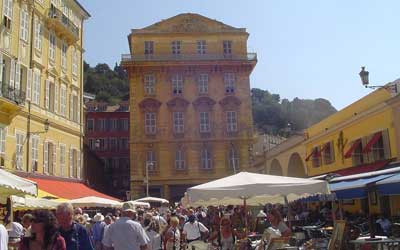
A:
(115, 163)
(149, 84)
(35, 152)
(151, 161)
(49, 160)
(357, 155)
(113, 144)
(36, 87)
(179, 159)
(229, 82)
(64, 50)
(227, 47)
(74, 108)
(148, 47)
(231, 121)
(74, 163)
(75, 62)
(125, 124)
(150, 123)
(63, 100)
(102, 144)
(101, 124)
(124, 143)
(90, 125)
(3, 141)
(62, 159)
(202, 83)
(201, 47)
(206, 161)
(38, 35)
(50, 97)
(176, 47)
(177, 84)
(8, 13)
(178, 120)
(52, 46)
(114, 124)
(380, 148)
(19, 151)
(328, 153)
(92, 144)
(316, 157)
(204, 122)
(233, 159)
(24, 23)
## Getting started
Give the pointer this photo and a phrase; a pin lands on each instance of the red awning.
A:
(68, 190)
(371, 142)
(315, 153)
(363, 168)
(352, 148)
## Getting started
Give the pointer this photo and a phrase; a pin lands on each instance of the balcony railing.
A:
(188, 57)
(15, 95)
(57, 15)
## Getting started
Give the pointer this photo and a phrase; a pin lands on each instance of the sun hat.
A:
(261, 214)
(128, 207)
(86, 217)
(98, 217)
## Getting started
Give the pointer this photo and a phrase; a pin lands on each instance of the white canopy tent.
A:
(94, 201)
(11, 184)
(25, 203)
(257, 189)
(152, 199)
(140, 204)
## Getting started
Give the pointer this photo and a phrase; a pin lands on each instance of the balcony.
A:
(11, 102)
(249, 57)
(61, 24)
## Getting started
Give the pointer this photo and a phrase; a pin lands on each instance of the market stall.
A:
(94, 201)
(11, 184)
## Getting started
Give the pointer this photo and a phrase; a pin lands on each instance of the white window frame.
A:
(178, 122)
(201, 47)
(63, 100)
(229, 82)
(206, 158)
(19, 148)
(231, 121)
(75, 62)
(64, 52)
(176, 47)
(36, 86)
(38, 34)
(24, 24)
(8, 11)
(202, 82)
(52, 46)
(151, 158)
(149, 84)
(125, 124)
(180, 159)
(3, 134)
(150, 123)
(35, 150)
(148, 47)
(204, 122)
(233, 159)
(227, 46)
(177, 84)
(63, 151)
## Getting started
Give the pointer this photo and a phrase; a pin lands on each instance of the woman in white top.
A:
(224, 239)
(153, 232)
(173, 236)
(276, 221)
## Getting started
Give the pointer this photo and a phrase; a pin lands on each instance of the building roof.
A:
(84, 10)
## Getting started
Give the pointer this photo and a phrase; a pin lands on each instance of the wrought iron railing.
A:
(16, 95)
(56, 14)
(188, 57)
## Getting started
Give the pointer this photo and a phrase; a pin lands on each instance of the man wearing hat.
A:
(126, 234)
(98, 231)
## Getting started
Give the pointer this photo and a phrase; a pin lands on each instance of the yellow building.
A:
(41, 76)
(191, 119)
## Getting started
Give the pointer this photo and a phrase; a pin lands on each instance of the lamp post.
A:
(364, 75)
(148, 164)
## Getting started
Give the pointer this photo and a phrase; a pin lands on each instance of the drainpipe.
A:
(81, 107)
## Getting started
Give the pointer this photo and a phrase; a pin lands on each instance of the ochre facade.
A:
(41, 78)
(191, 119)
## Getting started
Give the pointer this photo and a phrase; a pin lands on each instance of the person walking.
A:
(3, 237)
(126, 234)
(45, 234)
(173, 235)
(98, 231)
(224, 239)
(192, 229)
(76, 236)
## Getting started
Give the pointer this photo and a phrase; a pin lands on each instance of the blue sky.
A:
(306, 48)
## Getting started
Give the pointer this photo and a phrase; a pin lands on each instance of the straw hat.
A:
(86, 217)
(261, 214)
(98, 217)
(128, 207)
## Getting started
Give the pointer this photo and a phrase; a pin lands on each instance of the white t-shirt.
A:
(3, 238)
(155, 240)
(125, 234)
(192, 230)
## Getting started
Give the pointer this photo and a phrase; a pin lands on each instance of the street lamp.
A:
(148, 164)
(364, 75)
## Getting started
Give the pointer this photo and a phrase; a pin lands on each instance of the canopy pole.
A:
(289, 212)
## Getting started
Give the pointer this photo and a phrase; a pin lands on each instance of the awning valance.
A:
(11, 184)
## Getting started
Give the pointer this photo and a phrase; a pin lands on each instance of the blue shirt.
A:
(77, 238)
(98, 230)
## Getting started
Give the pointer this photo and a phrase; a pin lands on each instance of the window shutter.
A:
(1, 70)
(368, 156)
(332, 148)
(78, 118)
(17, 76)
(29, 84)
(71, 107)
(70, 163)
(47, 94)
(386, 143)
(12, 73)
(46, 157)
(78, 165)
(56, 97)
(54, 165)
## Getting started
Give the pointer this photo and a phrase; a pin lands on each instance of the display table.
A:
(380, 243)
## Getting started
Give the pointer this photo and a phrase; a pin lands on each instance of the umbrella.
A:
(257, 189)
(11, 184)
(21, 203)
(140, 204)
(94, 201)
(152, 199)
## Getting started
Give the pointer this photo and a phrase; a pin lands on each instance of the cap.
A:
(128, 207)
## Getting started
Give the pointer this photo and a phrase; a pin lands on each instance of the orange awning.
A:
(349, 152)
(67, 189)
(374, 139)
